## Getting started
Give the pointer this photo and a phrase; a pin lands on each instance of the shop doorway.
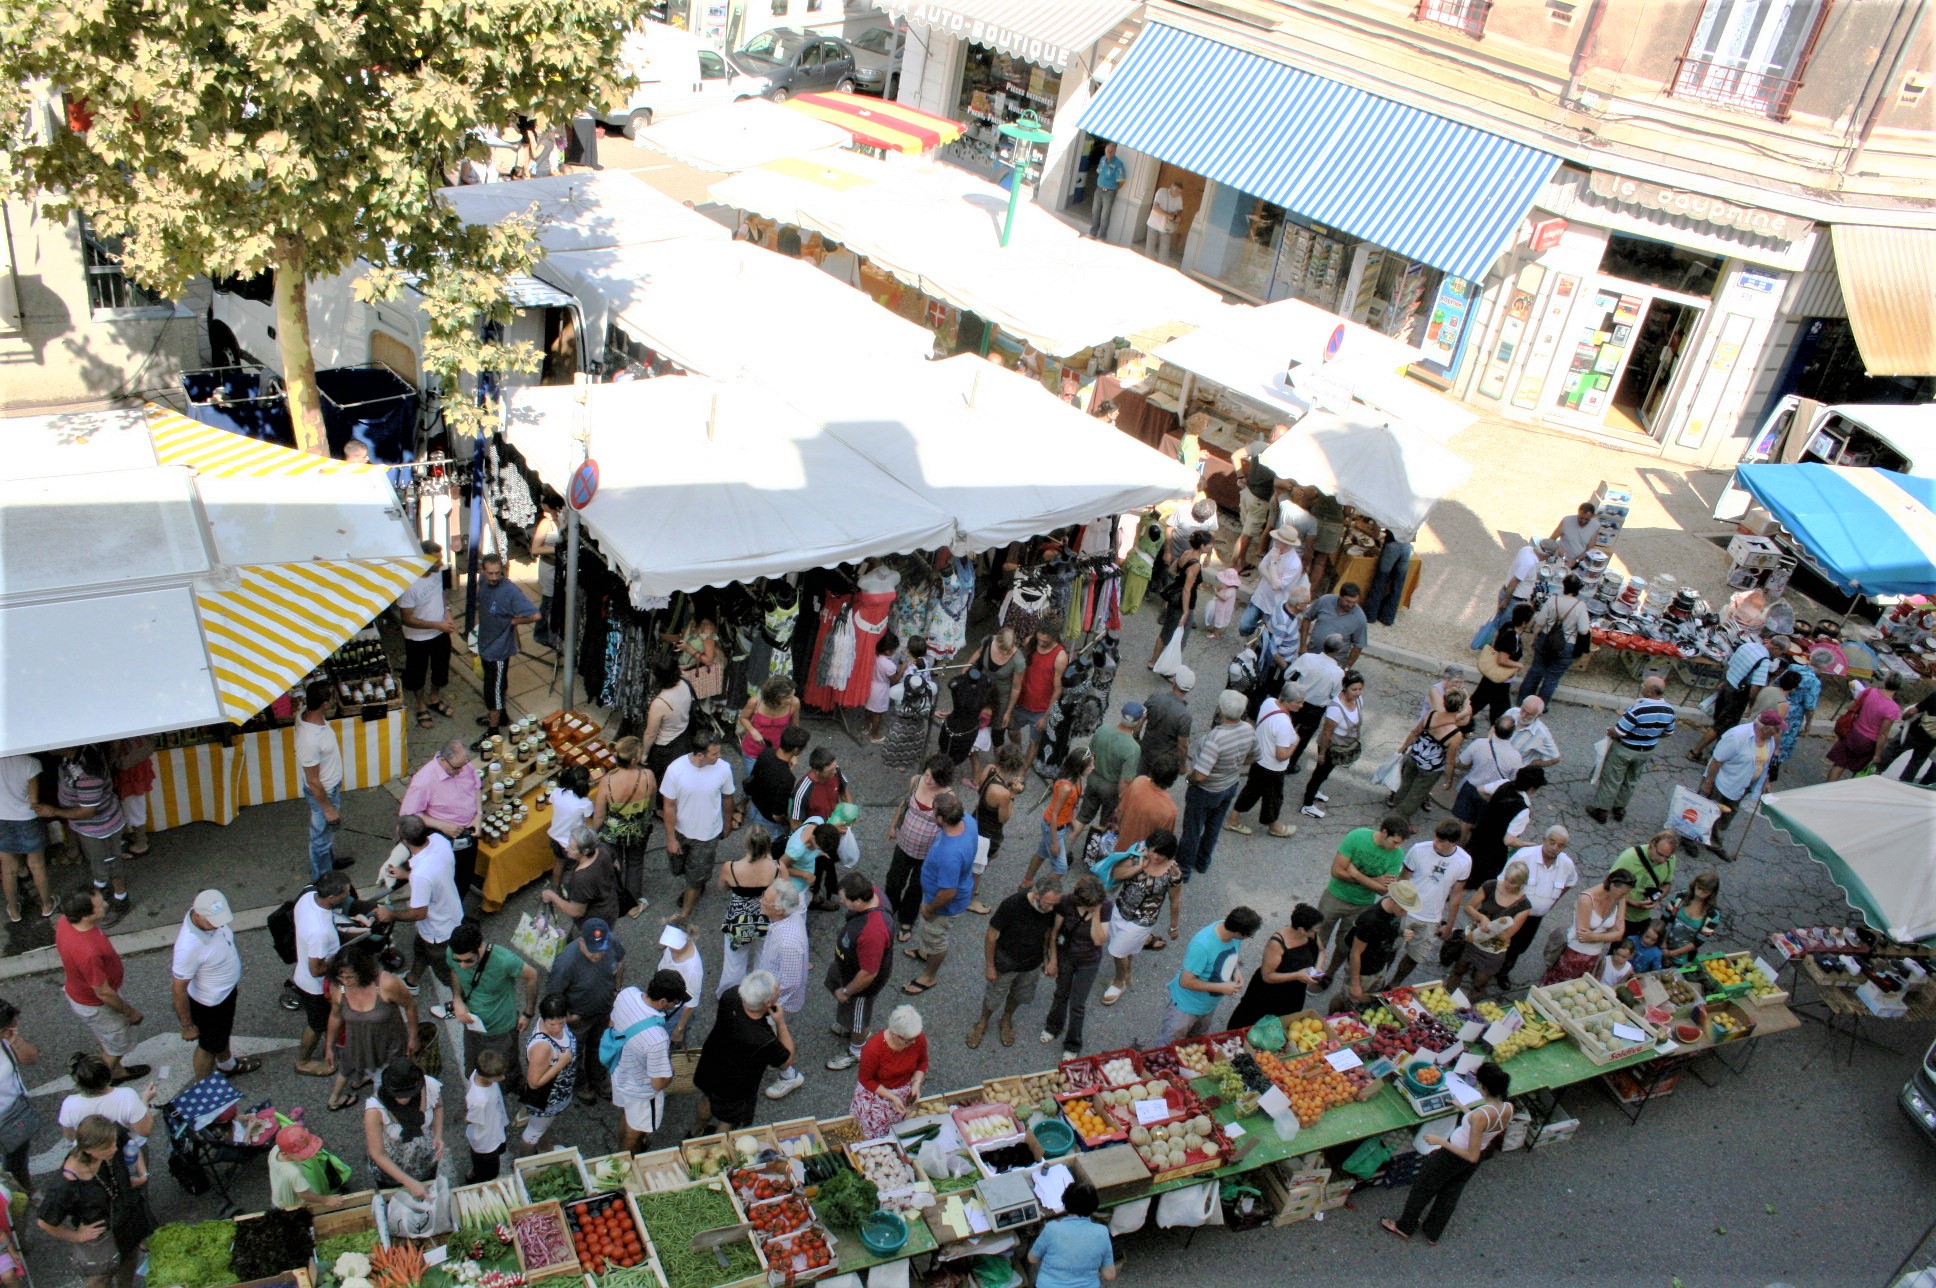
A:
(1657, 349)
(1192, 185)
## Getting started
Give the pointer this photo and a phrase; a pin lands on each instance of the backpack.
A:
(1552, 648)
(611, 1043)
(282, 927)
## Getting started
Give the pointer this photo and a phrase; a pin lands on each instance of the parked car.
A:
(798, 62)
(676, 75)
(1918, 1098)
(877, 61)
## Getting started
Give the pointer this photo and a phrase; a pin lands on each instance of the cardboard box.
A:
(1556, 1132)
(1117, 1171)
(1337, 1194)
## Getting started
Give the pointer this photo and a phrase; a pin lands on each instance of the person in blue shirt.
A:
(1073, 1251)
(947, 887)
(501, 609)
(1110, 173)
(1209, 975)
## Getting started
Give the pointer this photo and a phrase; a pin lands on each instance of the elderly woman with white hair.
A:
(749, 1036)
(785, 955)
(893, 1065)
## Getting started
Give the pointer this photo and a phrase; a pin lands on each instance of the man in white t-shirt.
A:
(321, 762)
(1551, 873)
(697, 794)
(1521, 580)
(316, 942)
(435, 905)
(645, 1063)
(1277, 739)
(1321, 673)
(23, 834)
(206, 971)
(427, 633)
(1437, 869)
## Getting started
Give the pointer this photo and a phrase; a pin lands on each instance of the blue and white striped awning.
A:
(1415, 183)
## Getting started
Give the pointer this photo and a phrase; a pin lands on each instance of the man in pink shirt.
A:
(444, 795)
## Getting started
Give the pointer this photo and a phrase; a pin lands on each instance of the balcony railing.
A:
(1763, 93)
(1465, 16)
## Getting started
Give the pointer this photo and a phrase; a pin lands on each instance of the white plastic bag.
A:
(1388, 775)
(1692, 815)
(1128, 1218)
(1171, 657)
(981, 855)
(1192, 1205)
(1600, 750)
(538, 940)
(849, 849)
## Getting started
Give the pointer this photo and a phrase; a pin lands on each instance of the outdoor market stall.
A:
(712, 308)
(164, 576)
(878, 125)
(741, 136)
(586, 210)
(1388, 470)
(938, 230)
(1297, 1111)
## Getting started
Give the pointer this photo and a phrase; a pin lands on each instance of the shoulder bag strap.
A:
(478, 973)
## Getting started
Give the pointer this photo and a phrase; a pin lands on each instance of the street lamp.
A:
(1026, 130)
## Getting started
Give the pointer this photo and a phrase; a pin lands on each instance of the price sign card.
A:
(1450, 1053)
(1153, 1111)
(1500, 1030)
(1343, 1060)
(1628, 1033)
(1470, 1030)
(1468, 1063)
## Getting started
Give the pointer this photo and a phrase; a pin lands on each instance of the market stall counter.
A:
(519, 773)
(208, 782)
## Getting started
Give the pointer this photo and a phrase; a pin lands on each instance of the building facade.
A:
(1641, 220)
(74, 329)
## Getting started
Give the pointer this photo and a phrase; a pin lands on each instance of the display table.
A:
(210, 782)
(507, 866)
(856, 1258)
(1362, 568)
(1839, 1009)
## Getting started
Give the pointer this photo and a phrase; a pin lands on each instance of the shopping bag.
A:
(1193, 1205)
(537, 940)
(1600, 750)
(1388, 775)
(1171, 657)
(1692, 815)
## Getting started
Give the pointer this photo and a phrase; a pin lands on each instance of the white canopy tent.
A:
(586, 211)
(1250, 350)
(159, 574)
(726, 140)
(1390, 471)
(726, 308)
(1877, 837)
(1003, 456)
(705, 484)
(938, 228)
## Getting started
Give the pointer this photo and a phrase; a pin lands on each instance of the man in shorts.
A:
(488, 980)
(947, 888)
(1140, 882)
(427, 633)
(1019, 945)
(435, 905)
(644, 1066)
(317, 940)
(1437, 871)
(863, 956)
(206, 971)
(91, 978)
(700, 808)
(1258, 488)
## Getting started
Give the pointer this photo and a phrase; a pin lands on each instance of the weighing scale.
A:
(1010, 1199)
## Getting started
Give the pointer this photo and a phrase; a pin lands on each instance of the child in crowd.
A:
(1618, 964)
(887, 669)
(1647, 953)
(484, 1118)
(1217, 615)
(1059, 816)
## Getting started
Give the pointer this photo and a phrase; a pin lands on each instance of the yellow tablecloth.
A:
(1362, 568)
(519, 859)
(210, 782)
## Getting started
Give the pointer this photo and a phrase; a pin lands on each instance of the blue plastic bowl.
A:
(883, 1233)
(1055, 1138)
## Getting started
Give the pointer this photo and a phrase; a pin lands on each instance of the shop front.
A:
(1636, 314)
(1298, 187)
(986, 62)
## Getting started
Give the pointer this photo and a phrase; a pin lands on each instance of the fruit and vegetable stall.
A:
(804, 1199)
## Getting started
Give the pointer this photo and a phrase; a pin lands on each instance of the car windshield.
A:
(772, 47)
(877, 40)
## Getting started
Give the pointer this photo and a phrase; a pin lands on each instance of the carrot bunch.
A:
(398, 1266)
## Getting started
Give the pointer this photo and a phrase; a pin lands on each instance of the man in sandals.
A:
(427, 633)
(206, 971)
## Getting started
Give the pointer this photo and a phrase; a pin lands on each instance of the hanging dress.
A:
(948, 624)
(914, 609)
(833, 654)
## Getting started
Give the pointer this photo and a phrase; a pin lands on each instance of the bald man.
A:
(1632, 741)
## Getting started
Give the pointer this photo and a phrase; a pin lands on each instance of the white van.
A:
(1886, 436)
(677, 75)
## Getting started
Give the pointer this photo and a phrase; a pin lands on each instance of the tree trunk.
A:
(298, 362)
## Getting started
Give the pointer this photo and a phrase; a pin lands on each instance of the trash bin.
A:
(371, 403)
(246, 400)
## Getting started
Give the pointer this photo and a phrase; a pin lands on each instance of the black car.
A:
(798, 62)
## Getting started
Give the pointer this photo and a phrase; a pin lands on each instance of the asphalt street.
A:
(1800, 1170)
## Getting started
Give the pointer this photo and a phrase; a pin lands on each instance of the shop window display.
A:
(997, 89)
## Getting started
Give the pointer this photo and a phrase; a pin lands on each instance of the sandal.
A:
(336, 1106)
(1157, 943)
(441, 707)
(914, 955)
(1241, 829)
(903, 935)
(423, 720)
(13, 912)
(244, 1064)
(980, 909)
(1390, 1226)
(914, 987)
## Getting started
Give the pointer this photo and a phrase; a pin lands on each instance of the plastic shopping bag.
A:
(1692, 815)
(1388, 775)
(1171, 657)
(537, 940)
(1600, 750)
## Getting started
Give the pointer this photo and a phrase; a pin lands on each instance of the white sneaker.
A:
(785, 1087)
(845, 1060)
(1321, 796)
(1045, 1037)
(1313, 811)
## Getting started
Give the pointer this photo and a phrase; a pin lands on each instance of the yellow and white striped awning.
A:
(281, 622)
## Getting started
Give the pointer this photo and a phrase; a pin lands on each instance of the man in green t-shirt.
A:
(1117, 752)
(1367, 862)
(487, 978)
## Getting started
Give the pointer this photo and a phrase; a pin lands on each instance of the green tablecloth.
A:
(1561, 1064)
(854, 1256)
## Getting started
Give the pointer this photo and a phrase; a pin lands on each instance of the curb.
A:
(36, 960)
(1565, 693)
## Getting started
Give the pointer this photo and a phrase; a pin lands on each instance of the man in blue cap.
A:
(589, 971)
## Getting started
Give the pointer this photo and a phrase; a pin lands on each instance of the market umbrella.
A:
(1877, 838)
(876, 123)
(1871, 531)
(1390, 471)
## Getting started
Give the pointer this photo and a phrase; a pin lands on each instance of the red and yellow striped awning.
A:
(878, 123)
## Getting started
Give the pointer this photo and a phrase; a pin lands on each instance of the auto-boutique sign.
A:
(1010, 40)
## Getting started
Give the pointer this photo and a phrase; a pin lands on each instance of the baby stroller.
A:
(210, 1138)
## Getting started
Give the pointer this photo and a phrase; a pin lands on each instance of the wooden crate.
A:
(592, 1166)
(570, 1265)
(799, 1137)
(638, 1222)
(660, 1169)
(351, 1216)
(757, 1280)
(840, 1132)
(523, 1167)
(1292, 1196)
